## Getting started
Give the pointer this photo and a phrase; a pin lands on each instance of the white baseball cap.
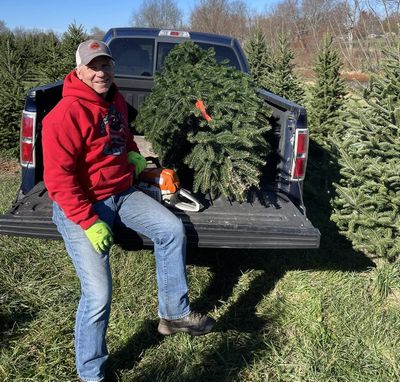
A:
(90, 49)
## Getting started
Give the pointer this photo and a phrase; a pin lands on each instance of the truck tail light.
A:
(300, 154)
(26, 153)
(27, 139)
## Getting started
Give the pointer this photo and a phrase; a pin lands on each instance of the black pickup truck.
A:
(272, 217)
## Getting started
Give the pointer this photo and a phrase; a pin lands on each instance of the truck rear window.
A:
(222, 52)
(135, 56)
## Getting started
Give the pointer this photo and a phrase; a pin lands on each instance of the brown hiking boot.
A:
(196, 324)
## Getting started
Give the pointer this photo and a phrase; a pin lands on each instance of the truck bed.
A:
(267, 220)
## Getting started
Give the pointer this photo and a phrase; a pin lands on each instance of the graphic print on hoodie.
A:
(114, 124)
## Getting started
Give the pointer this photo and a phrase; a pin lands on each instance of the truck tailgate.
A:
(269, 221)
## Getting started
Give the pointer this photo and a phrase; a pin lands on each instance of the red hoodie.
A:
(85, 144)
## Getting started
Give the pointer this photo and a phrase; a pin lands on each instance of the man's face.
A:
(98, 74)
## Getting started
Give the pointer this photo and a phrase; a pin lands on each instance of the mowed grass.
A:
(282, 315)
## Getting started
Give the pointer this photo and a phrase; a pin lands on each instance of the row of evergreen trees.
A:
(354, 163)
(274, 70)
(28, 59)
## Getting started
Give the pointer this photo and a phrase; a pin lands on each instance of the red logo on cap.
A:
(94, 45)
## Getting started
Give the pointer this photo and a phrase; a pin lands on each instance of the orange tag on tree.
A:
(202, 108)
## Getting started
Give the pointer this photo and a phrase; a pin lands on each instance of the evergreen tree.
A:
(28, 59)
(26, 48)
(74, 35)
(366, 208)
(14, 83)
(52, 70)
(260, 59)
(324, 110)
(209, 117)
(284, 81)
(327, 95)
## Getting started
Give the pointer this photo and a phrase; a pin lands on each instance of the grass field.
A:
(282, 315)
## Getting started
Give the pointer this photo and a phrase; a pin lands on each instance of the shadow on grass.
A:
(225, 359)
(240, 317)
(126, 357)
(8, 324)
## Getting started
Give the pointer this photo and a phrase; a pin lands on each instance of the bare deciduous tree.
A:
(96, 33)
(391, 14)
(3, 27)
(305, 22)
(221, 16)
(158, 14)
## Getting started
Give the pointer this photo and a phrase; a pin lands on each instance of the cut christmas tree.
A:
(207, 117)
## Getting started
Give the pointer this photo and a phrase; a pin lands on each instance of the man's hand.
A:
(138, 160)
(100, 235)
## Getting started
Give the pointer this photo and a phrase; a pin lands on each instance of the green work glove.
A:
(100, 235)
(138, 160)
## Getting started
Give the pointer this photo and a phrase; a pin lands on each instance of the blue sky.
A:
(57, 15)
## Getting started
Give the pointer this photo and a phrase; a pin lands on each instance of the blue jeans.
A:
(144, 215)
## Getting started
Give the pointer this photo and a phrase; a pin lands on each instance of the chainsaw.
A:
(163, 185)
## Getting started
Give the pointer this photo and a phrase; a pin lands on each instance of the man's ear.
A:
(78, 72)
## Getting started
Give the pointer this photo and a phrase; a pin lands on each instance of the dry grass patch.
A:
(355, 76)
(9, 167)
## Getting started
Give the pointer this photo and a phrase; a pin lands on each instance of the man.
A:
(89, 161)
